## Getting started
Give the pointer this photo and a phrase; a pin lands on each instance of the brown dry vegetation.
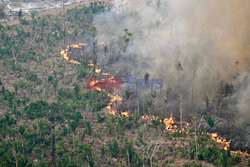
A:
(84, 135)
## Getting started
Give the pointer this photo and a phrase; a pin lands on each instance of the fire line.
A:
(170, 124)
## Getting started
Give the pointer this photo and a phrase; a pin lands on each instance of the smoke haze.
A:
(205, 37)
(214, 31)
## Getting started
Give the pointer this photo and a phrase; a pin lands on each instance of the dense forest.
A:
(49, 118)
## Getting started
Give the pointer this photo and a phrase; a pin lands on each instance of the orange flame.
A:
(91, 63)
(101, 43)
(240, 152)
(98, 70)
(169, 122)
(113, 100)
(221, 140)
(148, 117)
(65, 52)
(125, 113)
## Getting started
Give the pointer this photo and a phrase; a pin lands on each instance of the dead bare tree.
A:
(180, 110)
(13, 54)
(149, 142)
(179, 69)
(64, 25)
(53, 146)
(236, 68)
(14, 49)
(196, 146)
(94, 54)
(194, 69)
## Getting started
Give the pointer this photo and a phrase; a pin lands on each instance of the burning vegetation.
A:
(170, 124)
(76, 109)
(112, 107)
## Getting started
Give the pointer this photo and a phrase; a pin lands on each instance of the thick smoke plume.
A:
(191, 44)
(242, 96)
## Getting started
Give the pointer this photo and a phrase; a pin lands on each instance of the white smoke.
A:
(242, 96)
(206, 37)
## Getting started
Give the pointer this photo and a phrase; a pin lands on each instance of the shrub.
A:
(24, 22)
(36, 109)
(192, 164)
(50, 78)
(88, 128)
(81, 73)
(65, 93)
(113, 148)
(103, 150)
(210, 121)
(31, 76)
(236, 160)
(100, 118)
